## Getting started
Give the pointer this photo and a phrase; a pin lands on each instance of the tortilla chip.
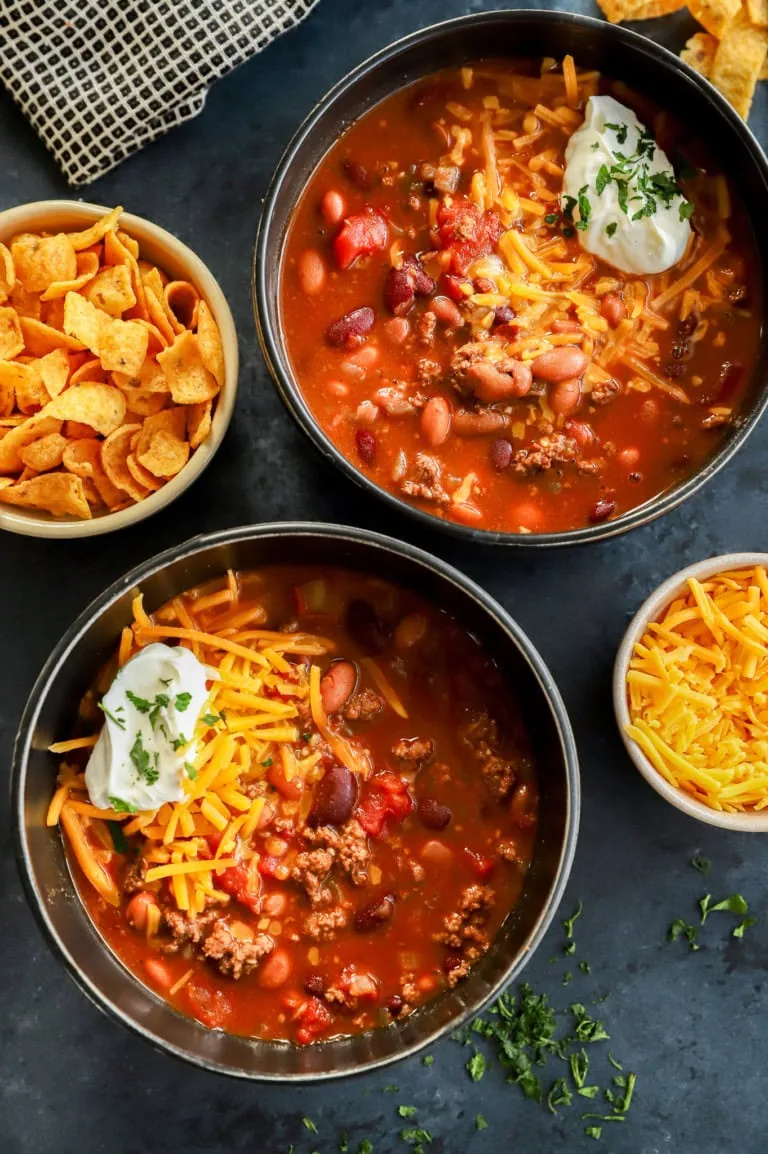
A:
(7, 273)
(90, 370)
(189, 380)
(111, 290)
(618, 10)
(60, 288)
(150, 378)
(100, 406)
(31, 393)
(22, 435)
(699, 53)
(158, 317)
(52, 313)
(40, 338)
(715, 15)
(88, 262)
(182, 299)
(166, 455)
(114, 455)
(54, 371)
(198, 423)
(209, 340)
(155, 281)
(119, 345)
(93, 496)
(736, 68)
(130, 243)
(169, 420)
(144, 402)
(83, 458)
(41, 260)
(26, 304)
(83, 321)
(11, 338)
(141, 475)
(157, 341)
(98, 230)
(12, 374)
(115, 253)
(45, 453)
(73, 430)
(57, 493)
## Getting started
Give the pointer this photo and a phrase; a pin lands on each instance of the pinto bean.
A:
(311, 270)
(377, 912)
(437, 853)
(446, 311)
(350, 328)
(432, 813)
(275, 970)
(491, 384)
(436, 421)
(365, 626)
(565, 396)
(337, 685)
(501, 454)
(332, 207)
(364, 358)
(158, 973)
(565, 326)
(560, 364)
(410, 630)
(137, 909)
(469, 424)
(357, 173)
(612, 307)
(334, 798)
(365, 443)
(397, 330)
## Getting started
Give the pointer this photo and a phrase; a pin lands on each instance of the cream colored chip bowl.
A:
(174, 258)
(649, 611)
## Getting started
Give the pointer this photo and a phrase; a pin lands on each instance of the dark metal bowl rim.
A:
(289, 389)
(55, 665)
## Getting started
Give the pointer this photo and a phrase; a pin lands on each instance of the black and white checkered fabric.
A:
(99, 79)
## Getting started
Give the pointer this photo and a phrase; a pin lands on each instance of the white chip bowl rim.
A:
(649, 611)
(76, 213)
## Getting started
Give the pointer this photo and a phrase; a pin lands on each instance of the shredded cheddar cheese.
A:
(697, 690)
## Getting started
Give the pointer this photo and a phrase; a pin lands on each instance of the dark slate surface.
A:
(690, 1025)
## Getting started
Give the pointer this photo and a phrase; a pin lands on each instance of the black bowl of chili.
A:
(96, 957)
(681, 403)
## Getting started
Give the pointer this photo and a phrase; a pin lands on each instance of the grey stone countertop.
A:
(689, 1024)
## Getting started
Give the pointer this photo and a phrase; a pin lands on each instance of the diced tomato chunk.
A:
(467, 232)
(360, 234)
(211, 1007)
(451, 285)
(292, 789)
(268, 864)
(314, 1018)
(239, 881)
(385, 796)
(480, 862)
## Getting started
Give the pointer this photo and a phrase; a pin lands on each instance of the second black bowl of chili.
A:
(454, 329)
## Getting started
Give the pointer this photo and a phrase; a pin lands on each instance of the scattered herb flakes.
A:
(118, 721)
(182, 701)
(681, 929)
(365, 1147)
(391, 1089)
(739, 930)
(480, 1122)
(733, 904)
(119, 842)
(567, 978)
(551, 218)
(179, 742)
(559, 1095)
(588, 1029)
(569, 203)
(343, 1144)
(610, 229)
(568, 923)
(476, 1066)
(308, 1124)
(585, 209)
(616, 1065)
(191, 771)
(588, 1091)
(267, 762)
(570, 948)
(702, 864)
(120, 806)
(140, 758)
(212, 718)
(406, 1111)
(602, 180)
(621, 131)
(137, 702)
(579, 1066)
(428, 1060)
(585, 967)
(593, 1132)
(418, 1138)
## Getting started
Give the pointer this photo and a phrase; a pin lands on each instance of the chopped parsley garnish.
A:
(391, 1089)
(632, 174)
(733, 904)
(267, 762)
(476, 1066)
(616, 1065)
(588, 1029)
(416, 1138)
(365, 1147)
(602, 180)
(621, 131)
(585, 967)
(738, 931)
(568, 233)
(428, 1060)
(191, 771)
(681, 929)
(702, 864)
(140, 758)
(182, 701)
(570, 948)
(567, 978)
(308, 1124)
(406, 1111)
(593, 1131)
(610, 229)
(551, 218)
(179, 742)
(569, 203)
(343, 1144)
(139, 703)
(686, 210)
(305, 736)
(212, 718)
(559, 1095)
(120, 806)
(568, 923)
(118, 837)
(480, 1122)
(118, 721)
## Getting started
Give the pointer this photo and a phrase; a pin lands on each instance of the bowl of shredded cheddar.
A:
(690, 690)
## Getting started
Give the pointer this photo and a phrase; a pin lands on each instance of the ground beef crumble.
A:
(133, 878)
(541, 455)
(363, 706)
(310, 871)
(499, 775)
(425, 480)
(464, 933)
(414, 752)
(349, 846)
(322, 925)
(215, 939)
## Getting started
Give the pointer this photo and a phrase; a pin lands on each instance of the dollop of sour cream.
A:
(612, 143)
(151, 710)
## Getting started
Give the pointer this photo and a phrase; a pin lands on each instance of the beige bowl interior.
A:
(649, 611)
(180, 263)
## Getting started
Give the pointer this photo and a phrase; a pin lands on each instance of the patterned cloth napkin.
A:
(99, 79)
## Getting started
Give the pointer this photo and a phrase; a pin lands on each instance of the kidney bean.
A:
(334, 798)
(397, 330)
(351, 327)
(436, 421)
(332, 207)
(491, 384)
(565, 326)
(337, 388)
(560, 364)
(447, 312)
(628, 457)
(434, 851)
(373, 915)
(337, 685)
(315, 984)
(366, 357)
(311, 270)
(137, 908)
(395, 1005)
(469, 424)
(365, 442)
(613, 309)
(602, 510)
(501, 454)
(366, 627)
(274, 971)
(565, 396)
(503, 315)
(410, 630)
(399, 292)
(432, 813)
(357, 173)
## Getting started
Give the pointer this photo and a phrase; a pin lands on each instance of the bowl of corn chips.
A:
(118, 368)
